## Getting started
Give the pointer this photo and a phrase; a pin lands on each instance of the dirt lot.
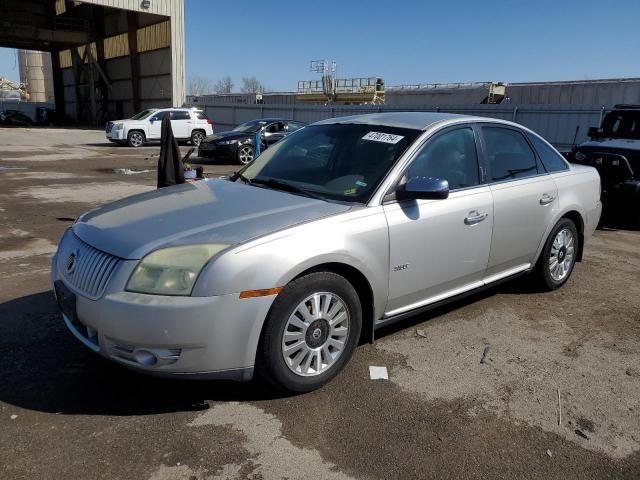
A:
(65, 413)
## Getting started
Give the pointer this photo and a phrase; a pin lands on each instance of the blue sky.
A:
(410, 41)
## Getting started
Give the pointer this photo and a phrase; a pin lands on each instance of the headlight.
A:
(580, 156)
(171, 271)
(118, 126)
(229, 142)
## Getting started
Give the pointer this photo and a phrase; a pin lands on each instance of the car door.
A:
(524, 199)
(181, 123)
(273, 133)
(155, 125)
(439, 248)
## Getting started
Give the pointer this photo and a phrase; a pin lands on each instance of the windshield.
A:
(334, 162)
(622, 124)
(143, 114)
(252, 126)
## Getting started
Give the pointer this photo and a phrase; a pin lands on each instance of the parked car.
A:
(187, 124)
(614, 150)
(237, 145)
(47, 116)
(341, 228)
(15, 118)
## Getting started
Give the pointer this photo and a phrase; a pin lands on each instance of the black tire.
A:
(270, 362)
(244, 152)
(136, 138)
(543, 272)
(196, 137)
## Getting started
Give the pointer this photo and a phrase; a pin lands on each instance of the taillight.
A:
(209, 121)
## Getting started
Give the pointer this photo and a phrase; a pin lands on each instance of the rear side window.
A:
(508, 154)
(552, 160)
(201, 116)
(180, 115)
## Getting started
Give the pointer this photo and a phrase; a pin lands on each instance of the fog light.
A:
(145, 357)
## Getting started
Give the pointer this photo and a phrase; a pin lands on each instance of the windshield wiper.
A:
(287, 187)
(238, 175)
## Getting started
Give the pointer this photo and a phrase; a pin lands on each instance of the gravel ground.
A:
(66, 413)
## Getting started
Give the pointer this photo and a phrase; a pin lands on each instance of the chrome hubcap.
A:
(315, 334)
(562, 255)
(246, 154)
(136, 139)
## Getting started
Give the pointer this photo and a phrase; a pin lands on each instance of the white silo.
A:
(37, 74)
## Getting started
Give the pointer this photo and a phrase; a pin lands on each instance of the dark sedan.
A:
(237, 145)
(15, 118)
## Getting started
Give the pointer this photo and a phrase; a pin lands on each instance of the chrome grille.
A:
(87, 269)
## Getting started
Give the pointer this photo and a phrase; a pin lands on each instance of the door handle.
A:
(547, 198)
(475, 217)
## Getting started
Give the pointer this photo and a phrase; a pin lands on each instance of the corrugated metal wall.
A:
(556, 123)
(588, 92)
(158, 7)
(463, 95)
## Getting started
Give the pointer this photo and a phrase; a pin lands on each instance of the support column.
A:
(177, 54)
(58, 83)
(98, 22)
(132, 21)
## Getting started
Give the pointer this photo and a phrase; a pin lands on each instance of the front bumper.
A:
(116, 135)
(189, 337)
(592, 220)
(219, 152)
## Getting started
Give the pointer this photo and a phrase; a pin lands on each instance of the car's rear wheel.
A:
(135, 138)
(311, 332)
(245, 154)
(559, 255)
(196, 137)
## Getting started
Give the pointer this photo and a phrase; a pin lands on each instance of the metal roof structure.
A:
(110, 58)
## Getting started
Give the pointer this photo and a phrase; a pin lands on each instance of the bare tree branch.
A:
(224, 85)
(199, 85)
(252, 85)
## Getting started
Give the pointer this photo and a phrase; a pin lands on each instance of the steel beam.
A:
(132, 21)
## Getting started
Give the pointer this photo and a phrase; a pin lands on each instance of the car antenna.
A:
(575, 136)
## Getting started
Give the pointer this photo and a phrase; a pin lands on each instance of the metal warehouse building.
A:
(110, 58)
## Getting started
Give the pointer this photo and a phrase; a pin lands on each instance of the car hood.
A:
(612, 143)
(207, 211)
(228, 136)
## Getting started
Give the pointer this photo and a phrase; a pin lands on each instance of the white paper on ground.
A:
(378, 373)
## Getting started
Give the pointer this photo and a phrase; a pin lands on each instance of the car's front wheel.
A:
(311, 332)
(135, 138)
(245, 154)
(559, 255)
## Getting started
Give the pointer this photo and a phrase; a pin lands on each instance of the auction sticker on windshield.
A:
(383, 137)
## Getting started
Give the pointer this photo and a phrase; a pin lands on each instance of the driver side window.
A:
(275, 127)
(451, 156)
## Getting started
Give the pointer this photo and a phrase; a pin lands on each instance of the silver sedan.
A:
(343, 227)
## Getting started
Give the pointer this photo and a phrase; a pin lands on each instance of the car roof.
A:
(413, 120)
(272, 119)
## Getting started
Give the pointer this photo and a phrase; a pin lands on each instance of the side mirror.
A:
(429, 188)
(594, 132)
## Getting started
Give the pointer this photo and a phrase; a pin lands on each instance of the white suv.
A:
(187, 124)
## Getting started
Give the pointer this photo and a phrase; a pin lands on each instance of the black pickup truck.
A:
(614, 150)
